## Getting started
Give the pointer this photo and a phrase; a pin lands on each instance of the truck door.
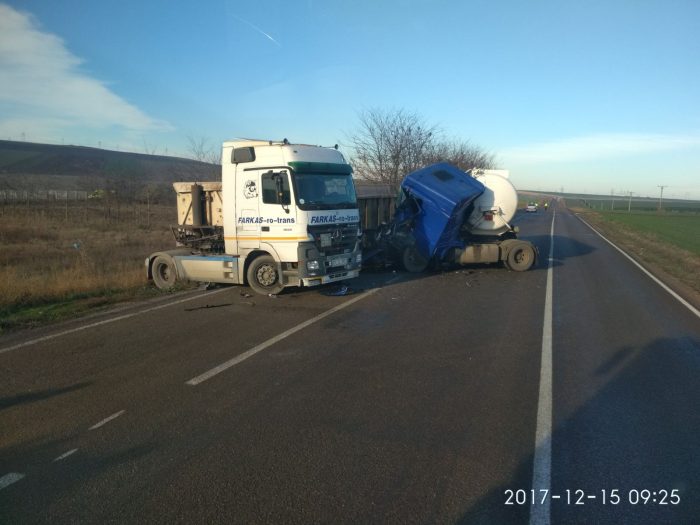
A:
(248, 213)
(277, 214)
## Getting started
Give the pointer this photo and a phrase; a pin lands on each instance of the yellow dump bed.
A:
(212, 203)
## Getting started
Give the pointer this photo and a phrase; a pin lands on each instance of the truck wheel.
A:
(264, 276)
(521, 257)
(412, 261)
(164, 272)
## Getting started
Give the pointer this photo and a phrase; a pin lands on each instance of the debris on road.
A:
(337, 291)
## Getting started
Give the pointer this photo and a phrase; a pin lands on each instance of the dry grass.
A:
(51, 268)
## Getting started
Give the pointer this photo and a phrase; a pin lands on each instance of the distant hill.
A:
(31, 166)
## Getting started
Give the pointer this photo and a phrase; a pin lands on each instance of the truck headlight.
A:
(312, 265)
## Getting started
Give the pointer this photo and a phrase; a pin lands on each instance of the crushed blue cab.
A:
(442, 194)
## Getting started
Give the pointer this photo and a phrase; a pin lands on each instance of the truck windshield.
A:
(318, 191)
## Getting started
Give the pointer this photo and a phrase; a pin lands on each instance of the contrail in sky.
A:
(257, 29)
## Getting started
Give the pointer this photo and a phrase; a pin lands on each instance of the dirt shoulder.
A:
(678, 269)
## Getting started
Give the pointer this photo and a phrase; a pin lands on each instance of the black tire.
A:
(164, 272)
(412, 261)
(264, 276)
(521, 257)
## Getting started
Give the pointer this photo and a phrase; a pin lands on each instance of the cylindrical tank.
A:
(496, 207)
(197, 215)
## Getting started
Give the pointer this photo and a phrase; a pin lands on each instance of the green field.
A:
(668, 244)
(678, 229)
(642, 205)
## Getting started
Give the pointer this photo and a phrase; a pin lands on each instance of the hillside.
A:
(27, 166)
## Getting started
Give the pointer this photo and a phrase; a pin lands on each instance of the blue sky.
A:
(587, 96)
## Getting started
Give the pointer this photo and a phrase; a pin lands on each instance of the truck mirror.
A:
(283, 197)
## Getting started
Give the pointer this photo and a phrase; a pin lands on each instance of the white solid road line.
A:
(64, 456)
(542, 463)
(9, 479)
(106, 321)
(107, 420)
(657, 281)
(262, 346)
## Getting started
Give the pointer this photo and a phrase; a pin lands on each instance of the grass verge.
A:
(54, 267)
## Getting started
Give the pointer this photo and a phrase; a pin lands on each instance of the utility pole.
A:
(612, 194)
(661, 197)
(629, 203)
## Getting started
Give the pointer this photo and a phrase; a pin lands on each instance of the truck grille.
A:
(334, 240)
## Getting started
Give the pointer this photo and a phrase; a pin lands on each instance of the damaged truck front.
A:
(448, 216)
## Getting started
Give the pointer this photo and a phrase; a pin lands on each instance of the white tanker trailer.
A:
(446, 215)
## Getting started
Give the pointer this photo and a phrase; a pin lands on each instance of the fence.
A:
(25, 196)
(76, 206)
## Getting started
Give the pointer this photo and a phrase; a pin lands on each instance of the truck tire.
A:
(412, 261)
(164, 272)
(521, 256)
(264, 276)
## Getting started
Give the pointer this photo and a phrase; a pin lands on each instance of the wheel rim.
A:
(520, 258)
(164, 272)
(413, 260)
(266, 275)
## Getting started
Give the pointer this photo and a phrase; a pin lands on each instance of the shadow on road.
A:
(564, 248)
(31, 397)
(637, 432)
(86, 467)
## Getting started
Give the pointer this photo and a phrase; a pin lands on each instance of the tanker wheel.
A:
(412, 261)
(521, 257)
(264, 276)
(164, 272)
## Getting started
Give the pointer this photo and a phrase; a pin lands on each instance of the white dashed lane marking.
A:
(9, 479)
(107, 420)
(64, 456)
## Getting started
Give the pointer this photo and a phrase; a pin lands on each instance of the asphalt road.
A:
(416, 403)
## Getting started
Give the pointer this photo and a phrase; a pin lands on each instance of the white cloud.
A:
(43, 86)
(596, 147)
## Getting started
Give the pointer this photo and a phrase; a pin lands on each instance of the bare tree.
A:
(390, 144)
(200, 150)
(462, 154)
(148, 149)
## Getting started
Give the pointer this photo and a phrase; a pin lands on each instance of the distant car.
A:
(531, 206)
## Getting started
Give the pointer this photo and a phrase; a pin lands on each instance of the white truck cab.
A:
(283, 215)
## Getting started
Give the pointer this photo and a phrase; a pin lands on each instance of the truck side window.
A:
(275, 188)
(242, 155)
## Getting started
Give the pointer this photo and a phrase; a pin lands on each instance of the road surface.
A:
(566, 394)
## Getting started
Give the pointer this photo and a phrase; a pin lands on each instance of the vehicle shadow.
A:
(381, 274)
(84, 468)
(564, 248)
(31, 397)
(637, 432)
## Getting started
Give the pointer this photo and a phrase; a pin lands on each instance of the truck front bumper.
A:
(320, 268)
(331, 278)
